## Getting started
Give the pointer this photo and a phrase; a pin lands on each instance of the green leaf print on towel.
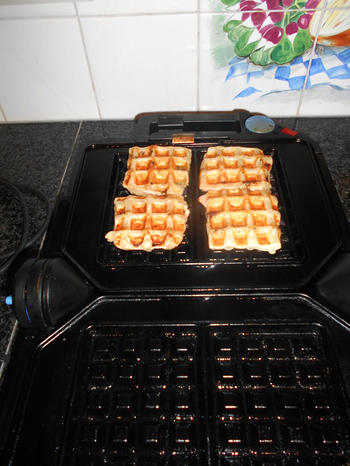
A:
(270, 31)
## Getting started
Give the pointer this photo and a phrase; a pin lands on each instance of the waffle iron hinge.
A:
(46, 291)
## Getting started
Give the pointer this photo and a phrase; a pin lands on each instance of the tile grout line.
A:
(123, 15)
(198, 55)
(87, 61)
(96, 15)
(3, 114)
(248, 10)
(169, 13)
(162, 13)
(312, 55)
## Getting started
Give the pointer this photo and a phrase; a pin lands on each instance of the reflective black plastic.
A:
(310, 234)
(47, 290)
(175, 364)
(225, 380)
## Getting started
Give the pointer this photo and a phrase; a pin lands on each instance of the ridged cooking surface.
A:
(210, 394)
(194, 246)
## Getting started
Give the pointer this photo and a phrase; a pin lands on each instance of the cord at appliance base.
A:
(18, 191)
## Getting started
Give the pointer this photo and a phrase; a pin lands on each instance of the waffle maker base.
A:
(190, 357)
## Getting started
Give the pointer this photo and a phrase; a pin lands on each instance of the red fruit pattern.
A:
(271, 31)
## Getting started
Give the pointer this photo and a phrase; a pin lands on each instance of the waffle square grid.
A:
(249, 222)
(148, 222)
(225, 167)
(157, 170)
(195, 394)
(194, 246)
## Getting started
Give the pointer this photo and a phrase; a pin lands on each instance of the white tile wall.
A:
(217, 92)
(143, 65)
(44, 74)
(30, 10)
(328, 98)
(213, 94)
(117, 7)
(214, 6)
(313, 102)
(107, 59)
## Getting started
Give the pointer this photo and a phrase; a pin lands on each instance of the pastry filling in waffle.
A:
(226, 167)
(241, 211)
(157, 170)
(147, 223)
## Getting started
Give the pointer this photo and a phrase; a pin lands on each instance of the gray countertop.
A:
(42, 155)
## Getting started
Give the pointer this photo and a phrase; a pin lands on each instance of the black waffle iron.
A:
(188, 356)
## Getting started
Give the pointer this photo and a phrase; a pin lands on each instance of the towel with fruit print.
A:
(276, 36)
(270, 31)
(328, 67)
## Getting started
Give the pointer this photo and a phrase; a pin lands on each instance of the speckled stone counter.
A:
(43, 156)
(333, 137)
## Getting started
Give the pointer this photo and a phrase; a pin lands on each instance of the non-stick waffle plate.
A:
(186, 394)
(229, 380)
(309, 232)
(194, 248)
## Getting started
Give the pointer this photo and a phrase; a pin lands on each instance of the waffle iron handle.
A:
(202, 125)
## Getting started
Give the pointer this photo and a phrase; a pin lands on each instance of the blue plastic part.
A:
(27, 314)
(259, 124)
(9, 300)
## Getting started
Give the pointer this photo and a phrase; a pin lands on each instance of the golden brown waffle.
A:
(244, 222)
(147, 223)
(225, 167)
(241, 189)
(157, 170)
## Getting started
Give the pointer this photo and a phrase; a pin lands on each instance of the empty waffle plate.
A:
(225, 381)
(187, 393)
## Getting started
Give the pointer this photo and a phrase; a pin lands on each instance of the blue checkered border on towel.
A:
(330, 66)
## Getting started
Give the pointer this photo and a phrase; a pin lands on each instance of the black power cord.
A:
(18, 191)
